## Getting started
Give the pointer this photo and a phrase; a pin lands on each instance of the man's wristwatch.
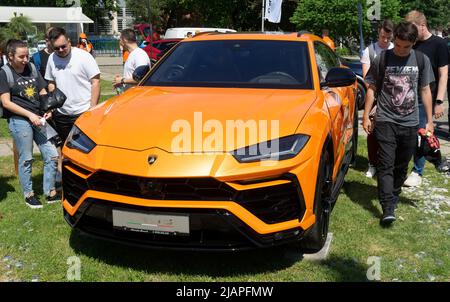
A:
(122, 81)
(439, 102)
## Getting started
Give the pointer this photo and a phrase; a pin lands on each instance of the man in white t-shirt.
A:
(136, 58)
(75, 72)
(385, 33)
(385, 29)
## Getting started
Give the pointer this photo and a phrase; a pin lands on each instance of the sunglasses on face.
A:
(58, 48)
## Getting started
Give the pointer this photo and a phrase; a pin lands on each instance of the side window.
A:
(321, 63)
(325, 58)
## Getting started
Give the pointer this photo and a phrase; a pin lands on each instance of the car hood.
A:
(172, 119)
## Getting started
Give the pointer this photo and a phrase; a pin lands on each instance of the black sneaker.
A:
(33, 203)
(388, 216)
(54, 198)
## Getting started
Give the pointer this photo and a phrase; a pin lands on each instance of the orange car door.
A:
(335, 98)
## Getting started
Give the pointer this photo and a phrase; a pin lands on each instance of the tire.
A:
(361, 95)
(317, 236)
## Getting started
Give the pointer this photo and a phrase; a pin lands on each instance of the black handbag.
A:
(52, 100)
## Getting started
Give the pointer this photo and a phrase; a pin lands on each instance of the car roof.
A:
(300, 36)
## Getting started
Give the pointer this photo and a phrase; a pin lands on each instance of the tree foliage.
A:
(436, 11)
(340, 16)
(242, 15)
(18, 28)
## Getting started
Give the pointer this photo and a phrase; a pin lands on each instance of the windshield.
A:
(164, 45)
(238, 63)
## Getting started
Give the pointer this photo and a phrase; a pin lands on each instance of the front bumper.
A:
(221, 217)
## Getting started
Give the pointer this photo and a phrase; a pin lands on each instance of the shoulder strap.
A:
(371, 53)
(420, 63)
(381, 70)
(9, 75)
(9, 79)
(34, 72)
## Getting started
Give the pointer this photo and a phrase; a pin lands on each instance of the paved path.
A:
(109, 67)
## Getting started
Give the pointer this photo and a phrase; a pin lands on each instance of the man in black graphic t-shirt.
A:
(397, 84)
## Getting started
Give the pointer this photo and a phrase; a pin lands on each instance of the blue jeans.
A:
(419, 162)
(23, 133)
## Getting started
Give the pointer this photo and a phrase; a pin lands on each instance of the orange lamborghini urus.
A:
(232, 141)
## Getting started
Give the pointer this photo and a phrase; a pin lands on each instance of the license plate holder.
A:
(154, 222)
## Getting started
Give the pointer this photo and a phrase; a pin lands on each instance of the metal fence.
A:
(106, 47)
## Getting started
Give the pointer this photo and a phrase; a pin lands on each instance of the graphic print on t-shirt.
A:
(402, 91)
(398, 83)
(26, 89)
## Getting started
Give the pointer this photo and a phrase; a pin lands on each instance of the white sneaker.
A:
(413, 180)
(371, 171)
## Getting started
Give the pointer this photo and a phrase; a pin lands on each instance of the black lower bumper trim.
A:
(210, 229)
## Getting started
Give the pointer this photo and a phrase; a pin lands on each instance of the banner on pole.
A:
(273, 11)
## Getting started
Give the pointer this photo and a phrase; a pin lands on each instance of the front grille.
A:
(161, 188)
(272, 204)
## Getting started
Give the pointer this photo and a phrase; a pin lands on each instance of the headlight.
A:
(78, 140)
(278, 149)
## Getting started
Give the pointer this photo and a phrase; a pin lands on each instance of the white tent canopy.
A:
(45, 14)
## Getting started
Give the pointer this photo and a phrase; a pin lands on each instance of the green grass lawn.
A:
(37, 243)
(107, 88)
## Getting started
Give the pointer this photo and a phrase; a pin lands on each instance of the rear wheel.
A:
(315, 239)
(360, 96)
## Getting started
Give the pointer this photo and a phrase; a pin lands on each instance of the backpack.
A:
(10, 79)
(37, 60)
(420, 57)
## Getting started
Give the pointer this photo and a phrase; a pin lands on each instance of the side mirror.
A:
(339, 77)
(140, 72)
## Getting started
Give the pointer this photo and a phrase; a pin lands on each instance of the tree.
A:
(17, 28)
(340, 17)
(242, 15)
(436, 11)
(96, 9)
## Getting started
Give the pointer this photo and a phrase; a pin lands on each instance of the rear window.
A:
(238, 63)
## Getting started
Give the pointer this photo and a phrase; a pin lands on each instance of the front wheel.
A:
(317, 236)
